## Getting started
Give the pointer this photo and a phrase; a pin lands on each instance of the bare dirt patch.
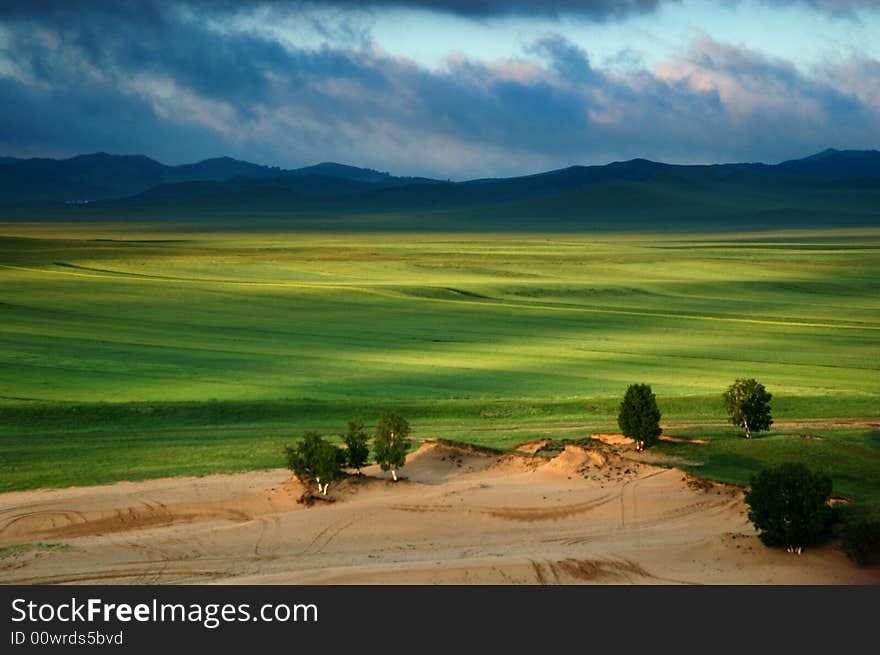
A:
(532, 446)
(464, 515)
(620, 440)
(613, 439)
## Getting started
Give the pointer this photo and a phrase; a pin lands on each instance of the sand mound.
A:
(437, 461)
(620, 440)
(586, 516)
(363, 483)
(532, 446)
(599, 465)
(575, 460)
(467, 448)
(613, 439)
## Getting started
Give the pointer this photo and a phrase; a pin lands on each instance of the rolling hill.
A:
(101, 176)
(831, 188)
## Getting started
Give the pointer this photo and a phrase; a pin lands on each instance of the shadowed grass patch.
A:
(16, 550)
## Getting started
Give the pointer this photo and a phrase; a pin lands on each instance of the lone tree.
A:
(357, 450)
(639, 418)
(389, 443)
(315, 460)
(788, 505)
(748, 405)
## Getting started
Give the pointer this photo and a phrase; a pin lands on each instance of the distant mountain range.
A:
(833, 187)
(101, 176)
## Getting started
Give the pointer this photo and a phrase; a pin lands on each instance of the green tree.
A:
(748, 405)
(390, 444)
(357, 450)
(315, 460)
(639, 418)
(788, 505)
(301, 457)
(860, 540)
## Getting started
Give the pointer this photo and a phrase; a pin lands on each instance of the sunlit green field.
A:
(132, 353)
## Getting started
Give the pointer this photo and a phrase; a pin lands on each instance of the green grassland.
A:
(129, 352)
(16, 550)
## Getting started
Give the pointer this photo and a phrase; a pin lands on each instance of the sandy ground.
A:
(461, 516)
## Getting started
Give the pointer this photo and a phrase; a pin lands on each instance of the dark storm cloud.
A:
(568, 60)
(600, 10)
(151, 9)
(89, 120)
(596, 9)
(179, 89)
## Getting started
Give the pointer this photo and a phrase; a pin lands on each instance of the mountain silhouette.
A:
(834, 187)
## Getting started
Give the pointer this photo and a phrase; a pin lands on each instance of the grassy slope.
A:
(154, 354)
(703, 199)
(850, 456)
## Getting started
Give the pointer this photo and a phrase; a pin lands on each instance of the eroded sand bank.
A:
(462, 515)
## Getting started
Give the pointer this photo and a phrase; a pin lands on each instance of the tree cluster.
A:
(315, 460)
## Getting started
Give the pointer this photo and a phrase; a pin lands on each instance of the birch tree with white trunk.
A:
(748, 406)
(315, 460)
(390, 442)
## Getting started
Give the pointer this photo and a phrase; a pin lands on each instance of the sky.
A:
(443, 88)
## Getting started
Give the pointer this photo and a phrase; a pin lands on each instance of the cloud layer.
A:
(591, 9)
(184, 82)
(600, 9)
